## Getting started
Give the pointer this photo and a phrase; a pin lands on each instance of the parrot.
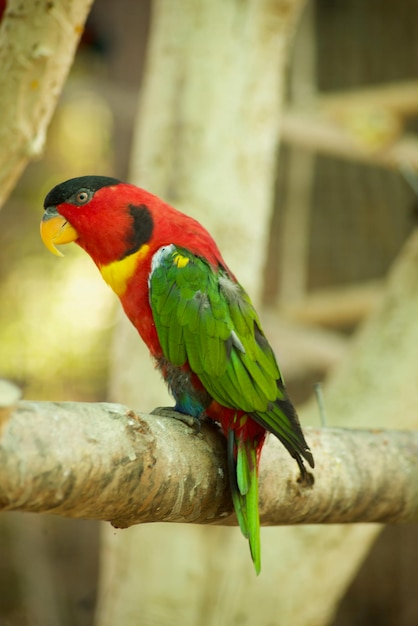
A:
(196, 319)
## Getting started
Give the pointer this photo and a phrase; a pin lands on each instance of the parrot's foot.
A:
(169, 411)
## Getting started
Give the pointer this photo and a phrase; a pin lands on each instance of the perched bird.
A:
(197, 321)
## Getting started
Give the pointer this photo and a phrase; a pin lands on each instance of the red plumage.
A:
(197, 321)
(108, 244)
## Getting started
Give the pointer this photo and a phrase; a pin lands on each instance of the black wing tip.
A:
(308, 456)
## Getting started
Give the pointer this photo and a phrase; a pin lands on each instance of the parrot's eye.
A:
(82, 196)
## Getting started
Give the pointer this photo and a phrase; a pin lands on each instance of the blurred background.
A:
(343, 211)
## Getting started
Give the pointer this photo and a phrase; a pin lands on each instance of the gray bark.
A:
(110, 463)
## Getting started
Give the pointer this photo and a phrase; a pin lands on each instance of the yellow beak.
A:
(56, 230)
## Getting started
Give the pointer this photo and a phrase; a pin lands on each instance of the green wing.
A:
(205, 318)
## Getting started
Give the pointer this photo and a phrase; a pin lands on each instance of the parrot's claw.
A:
(169, 411)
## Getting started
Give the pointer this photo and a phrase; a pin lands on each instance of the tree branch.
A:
(37, 45)
(107, 462)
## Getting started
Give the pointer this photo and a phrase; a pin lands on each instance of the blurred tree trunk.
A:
(38, 41)
(206, 141)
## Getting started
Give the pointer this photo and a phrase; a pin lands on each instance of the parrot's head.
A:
(106, 217)
(119, 225)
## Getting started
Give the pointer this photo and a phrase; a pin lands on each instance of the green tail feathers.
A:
(242, 464)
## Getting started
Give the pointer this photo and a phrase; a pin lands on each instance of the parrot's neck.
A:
(118, 273)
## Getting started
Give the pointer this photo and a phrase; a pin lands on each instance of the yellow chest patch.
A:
(118, 273)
